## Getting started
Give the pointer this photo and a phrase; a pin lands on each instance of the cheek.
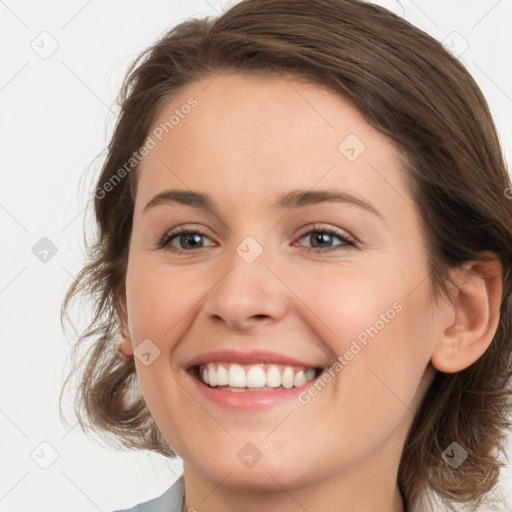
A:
(156, 309)
(394, 343)
(382, 337)
(379, 329)
(351, 304)
(154, 300)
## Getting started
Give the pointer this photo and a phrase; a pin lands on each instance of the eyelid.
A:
(346, 238)
(329, 229)
(164, 240)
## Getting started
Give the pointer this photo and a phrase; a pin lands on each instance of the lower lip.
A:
(248, 400)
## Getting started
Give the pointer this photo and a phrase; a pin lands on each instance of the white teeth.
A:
(254, 376)
(222, 376)
(273, 377)
(236, 375)
(287, 378)
(299, 379)
(212, 376)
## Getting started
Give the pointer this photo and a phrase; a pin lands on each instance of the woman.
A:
(357, 375)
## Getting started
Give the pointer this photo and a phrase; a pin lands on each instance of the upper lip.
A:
(250, 357)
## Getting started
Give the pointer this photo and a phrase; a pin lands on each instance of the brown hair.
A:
(411, 89)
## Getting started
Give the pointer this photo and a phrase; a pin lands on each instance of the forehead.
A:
(247, 139)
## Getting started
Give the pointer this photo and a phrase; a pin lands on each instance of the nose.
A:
(248, 295)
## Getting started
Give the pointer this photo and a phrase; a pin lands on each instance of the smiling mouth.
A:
(253, 377)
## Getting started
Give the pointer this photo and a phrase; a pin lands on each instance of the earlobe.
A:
(125, 347)
(475, 313)
(125, 344)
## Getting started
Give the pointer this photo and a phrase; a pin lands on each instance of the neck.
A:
(367, 488)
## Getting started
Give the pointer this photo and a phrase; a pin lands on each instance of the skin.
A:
(247, 142)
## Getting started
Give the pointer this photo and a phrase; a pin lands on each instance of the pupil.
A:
(321, 237)
(188, 237)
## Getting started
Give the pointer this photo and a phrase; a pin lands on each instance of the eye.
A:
(183, 237)
(322, 235)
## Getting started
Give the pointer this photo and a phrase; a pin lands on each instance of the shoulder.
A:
(169, 501)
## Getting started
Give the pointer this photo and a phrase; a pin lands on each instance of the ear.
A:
(474, 315)
(125, 344)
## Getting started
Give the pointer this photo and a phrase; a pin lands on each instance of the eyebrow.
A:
(292, 200)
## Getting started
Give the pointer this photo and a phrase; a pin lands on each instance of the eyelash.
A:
(164, 240)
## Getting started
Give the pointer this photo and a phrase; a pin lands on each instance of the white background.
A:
(57, 113)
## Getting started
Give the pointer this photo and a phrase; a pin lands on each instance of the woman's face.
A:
(279, 273)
